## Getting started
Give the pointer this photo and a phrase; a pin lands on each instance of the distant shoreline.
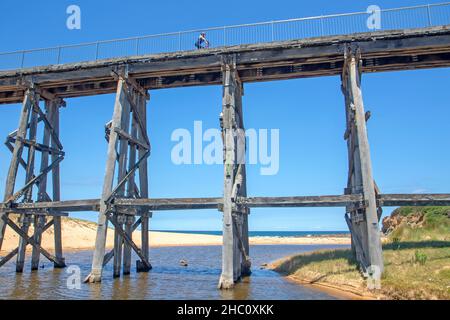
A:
(277, 234)
(80, 234)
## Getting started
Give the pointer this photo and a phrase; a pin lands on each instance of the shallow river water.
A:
(167, 279)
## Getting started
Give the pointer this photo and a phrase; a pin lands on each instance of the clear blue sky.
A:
(409, 131)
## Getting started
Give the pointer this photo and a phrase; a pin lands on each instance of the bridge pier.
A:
(128, 150)
(362, 218)
(25, 138)
(235, 250)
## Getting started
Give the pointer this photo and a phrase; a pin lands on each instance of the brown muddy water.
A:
(167, 279)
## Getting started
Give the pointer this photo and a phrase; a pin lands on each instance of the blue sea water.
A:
(270, 233)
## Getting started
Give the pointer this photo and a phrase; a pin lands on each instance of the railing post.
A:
(96, 51)
(59, 55)
(23, 59)
(224, 36)
(179, 41)
(137, 46)
(429, 15)
(273, 34)
(322, 27)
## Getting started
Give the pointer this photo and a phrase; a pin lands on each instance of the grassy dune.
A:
(416, 256)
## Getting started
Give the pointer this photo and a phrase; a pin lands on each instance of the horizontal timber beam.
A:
(399, 200)
(313, 201)
(165, 204)
(171, 204)
(381, 51)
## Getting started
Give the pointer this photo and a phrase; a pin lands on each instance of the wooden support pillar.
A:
(241, 185)
(39, 221)
(363, 218)
(16, 155)
(118, 244)
(129, 221)
(25, 220)
(143, 184)
(102, 225)
(235, 261)
(124, 142)
(56, 181)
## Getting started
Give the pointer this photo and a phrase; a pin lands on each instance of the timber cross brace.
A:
(25, 137)
(128, 150)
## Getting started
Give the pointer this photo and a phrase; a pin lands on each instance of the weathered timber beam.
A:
(312, 201)
(163, 204)
(382, 51)
(397, 200)
(170, 204)
(70, 205)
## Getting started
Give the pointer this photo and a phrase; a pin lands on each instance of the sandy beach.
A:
(79, 234)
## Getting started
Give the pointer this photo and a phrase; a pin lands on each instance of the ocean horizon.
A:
(282, 234)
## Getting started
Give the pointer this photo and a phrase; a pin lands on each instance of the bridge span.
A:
(125, 201)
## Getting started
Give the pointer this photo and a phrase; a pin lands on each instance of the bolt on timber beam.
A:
(235, 250)
(128, 150)
(363, 222)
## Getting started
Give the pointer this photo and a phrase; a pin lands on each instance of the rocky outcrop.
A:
(415, 220)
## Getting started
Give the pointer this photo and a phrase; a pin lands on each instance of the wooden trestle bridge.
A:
(125, 201)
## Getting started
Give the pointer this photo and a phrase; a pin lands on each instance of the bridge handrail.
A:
(423, 15)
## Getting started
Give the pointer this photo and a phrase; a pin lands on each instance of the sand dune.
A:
(80, 234)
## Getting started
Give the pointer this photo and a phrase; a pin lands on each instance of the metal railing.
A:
(280, 30)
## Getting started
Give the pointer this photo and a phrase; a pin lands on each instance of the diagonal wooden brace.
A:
(110, 254)
(30, 240)
(22, 191)
(129, 241)
(11, 255)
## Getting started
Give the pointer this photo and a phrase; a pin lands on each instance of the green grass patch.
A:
(417, 261)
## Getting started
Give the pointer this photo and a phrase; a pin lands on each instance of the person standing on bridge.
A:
(202, 42)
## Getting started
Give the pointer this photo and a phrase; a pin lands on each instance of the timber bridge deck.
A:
(126, 204)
